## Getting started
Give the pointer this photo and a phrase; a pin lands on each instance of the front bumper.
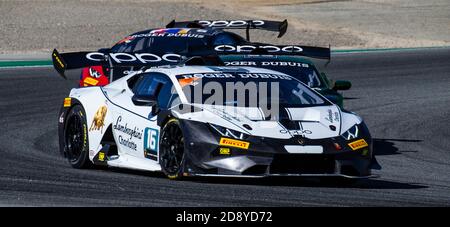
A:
(268, 157)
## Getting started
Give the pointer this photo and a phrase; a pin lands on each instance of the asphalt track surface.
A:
(404, 97)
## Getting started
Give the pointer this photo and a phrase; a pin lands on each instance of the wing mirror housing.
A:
(144, 100)
(147, 100)
(342, 85)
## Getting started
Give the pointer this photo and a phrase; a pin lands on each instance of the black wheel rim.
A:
(172, 149)
(74, 138)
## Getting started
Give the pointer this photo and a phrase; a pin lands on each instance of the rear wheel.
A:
(76, 138)
(171, 150)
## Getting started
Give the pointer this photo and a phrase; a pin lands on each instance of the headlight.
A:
(351, 133)
(229, 132)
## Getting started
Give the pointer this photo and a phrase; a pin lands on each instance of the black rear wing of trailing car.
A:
(77, 60)
(276, 26)
(267, 49)
(74, 60)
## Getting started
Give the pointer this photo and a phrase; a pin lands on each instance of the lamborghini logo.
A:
(99, 119)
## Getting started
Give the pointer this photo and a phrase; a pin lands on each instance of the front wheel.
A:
(171, 150)
(76, 138)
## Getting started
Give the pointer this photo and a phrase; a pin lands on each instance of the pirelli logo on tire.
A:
(234, 143)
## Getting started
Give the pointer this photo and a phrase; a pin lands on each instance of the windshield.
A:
(174, 40)
(304, 72)
(247, 90)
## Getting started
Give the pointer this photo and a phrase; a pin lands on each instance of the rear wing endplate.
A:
(75, 60)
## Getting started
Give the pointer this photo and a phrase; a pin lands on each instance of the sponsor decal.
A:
(229, 23)
(330, 116)
(336, 116)
(84, 136)
(171, 31)
(61, 118)
(293, 133)
(284, 63)
(266, 63)
(250, 48)
(131, 133)
(127, 39)
(151, 138)
(128, 72)
(58, 60)
(134, 57)
(240, 63)
(239, 75)
(99, 119)
(101, 156)
(264, 76)
(206, 75)
(67, 102)
(167, 32)
(164, 32)
(94, 73)
(224, 151)
(88, 81)
(188, 81)
(234, 143)
(127, 143)
(358, 144)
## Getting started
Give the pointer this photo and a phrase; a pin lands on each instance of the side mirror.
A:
(325, 78)
(143, 100)
(146, 100)
(342, 85)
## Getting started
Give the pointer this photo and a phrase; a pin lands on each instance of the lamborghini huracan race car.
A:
(190, 120)
(156, 47)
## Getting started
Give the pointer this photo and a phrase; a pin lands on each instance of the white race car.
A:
(220, 121)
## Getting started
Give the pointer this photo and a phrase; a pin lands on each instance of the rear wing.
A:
(261, 49)
(276, 26)
(76, 60)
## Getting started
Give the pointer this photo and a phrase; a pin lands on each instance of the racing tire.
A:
(76, 144)
(171, 150)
